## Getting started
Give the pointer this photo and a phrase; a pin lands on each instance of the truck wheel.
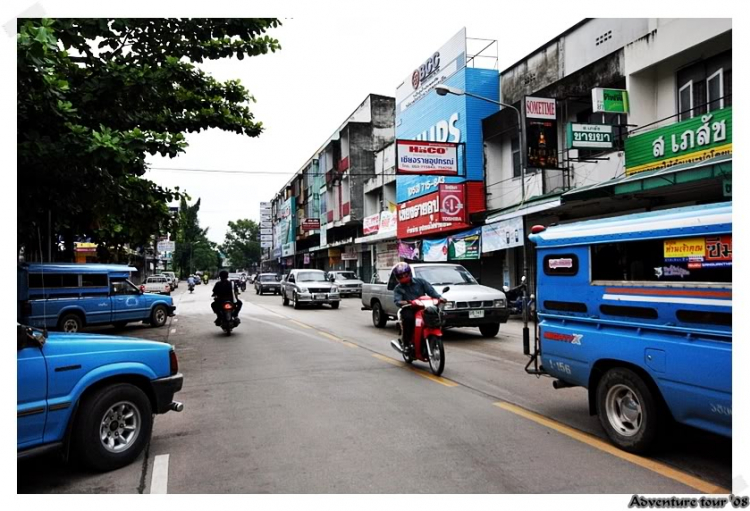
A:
(490, 329)
(284, 299)
(71, 323)
(113, 427)
(158, 316)
(296, 301)
(379, 318)
(628, 411)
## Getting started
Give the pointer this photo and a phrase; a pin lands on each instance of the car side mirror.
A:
(446, 289)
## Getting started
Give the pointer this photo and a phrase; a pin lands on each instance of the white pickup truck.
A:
(159, 284)
(469, 303)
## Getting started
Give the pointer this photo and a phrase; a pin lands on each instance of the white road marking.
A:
(175, 320)
(174, 330)
(160, 474)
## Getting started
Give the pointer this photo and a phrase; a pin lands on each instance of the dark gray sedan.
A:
(267, 283)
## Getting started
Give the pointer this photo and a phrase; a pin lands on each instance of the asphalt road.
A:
(315, 401)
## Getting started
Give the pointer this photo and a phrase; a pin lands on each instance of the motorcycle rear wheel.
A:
(437, 359)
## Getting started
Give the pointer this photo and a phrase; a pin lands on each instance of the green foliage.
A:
(193, 250)
(241, 245)
(94, 96)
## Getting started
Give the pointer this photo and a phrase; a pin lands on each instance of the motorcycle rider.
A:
(224, 292)
(191, 283)
(410, 288)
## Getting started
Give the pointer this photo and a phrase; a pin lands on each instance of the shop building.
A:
(609, 90)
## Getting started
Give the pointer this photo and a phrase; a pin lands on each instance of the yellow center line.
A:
(349, 344)
(654, 466)
(300, 324)
(326, 334)
(423, 374)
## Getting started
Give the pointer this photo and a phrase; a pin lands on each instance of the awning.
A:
(376, 238)
(535, 205)
(720, 166)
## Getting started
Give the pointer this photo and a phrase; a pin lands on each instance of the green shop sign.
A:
(589, 136)
(613, 101)
(694, 140)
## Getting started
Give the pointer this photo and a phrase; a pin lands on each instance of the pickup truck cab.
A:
(159, 284)
(469, 303)
(90, 395)
(71, 296)
(347, 282)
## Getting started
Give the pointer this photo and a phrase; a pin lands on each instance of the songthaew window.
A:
(694, 259)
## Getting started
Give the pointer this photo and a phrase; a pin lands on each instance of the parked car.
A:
(267, 283)
(347, 282)
(71, 296)
(309, 287)
(469, 303)
(173, 280)
(90, 395)
(157, 284)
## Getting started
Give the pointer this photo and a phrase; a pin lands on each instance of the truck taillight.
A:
(173, 366)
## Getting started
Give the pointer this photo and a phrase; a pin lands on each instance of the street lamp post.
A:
(443, 90)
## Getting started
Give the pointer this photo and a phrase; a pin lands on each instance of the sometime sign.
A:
(694, 140)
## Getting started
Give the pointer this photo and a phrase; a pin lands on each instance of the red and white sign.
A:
(541, 108)
(422, 216)
(310, 224)
(387, 221)
(452, 202)
(371, 224)
(415, 157)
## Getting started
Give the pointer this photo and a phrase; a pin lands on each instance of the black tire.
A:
(335, 305)
(296, 302)
(159, 316)
(437, 361)
(645, 422)
(284, 300)
(120, 324)
(70, 323)
(87, 442)
(489, 330)
(379, 317)
(257, 291)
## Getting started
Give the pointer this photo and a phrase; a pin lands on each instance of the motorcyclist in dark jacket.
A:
(410, 288)
(224, 292)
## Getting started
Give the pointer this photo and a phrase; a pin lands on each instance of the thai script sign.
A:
(371, 224)
(417, 157)
(310, 224)
(422, 216)
(699, 252)
(610, 100)
(694, 140)
(465, 245)
(589, 136)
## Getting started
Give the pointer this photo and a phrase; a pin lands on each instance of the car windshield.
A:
(311, 276)
(268, 278)
(445, 275)
(347, 275)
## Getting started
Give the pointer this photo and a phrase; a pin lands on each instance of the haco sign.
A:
(423, 216)
(415, 157)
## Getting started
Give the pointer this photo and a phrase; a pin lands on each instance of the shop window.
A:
(685, 98)
(515, 148)
(705, 86)
(715, 90)
(565, 265)
(706, 259)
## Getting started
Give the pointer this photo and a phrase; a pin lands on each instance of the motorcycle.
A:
(191, 287)
(228, 321)
(205, 278)
(428, 334)
(514, 297)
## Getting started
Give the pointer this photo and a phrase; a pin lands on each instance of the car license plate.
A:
(320, 297)
(476, 314)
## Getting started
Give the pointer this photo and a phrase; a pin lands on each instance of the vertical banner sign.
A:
(541, 133)
(465, 245)
(452, 202)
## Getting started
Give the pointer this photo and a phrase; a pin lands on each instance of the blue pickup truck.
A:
(92, 396)
(69, 297)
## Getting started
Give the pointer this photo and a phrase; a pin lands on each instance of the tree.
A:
(241, 245)
(193, 250)
(94, 96)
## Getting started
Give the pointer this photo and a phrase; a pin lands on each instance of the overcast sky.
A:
(325, 69)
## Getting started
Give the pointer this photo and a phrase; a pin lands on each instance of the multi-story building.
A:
(319, 212)
(607, 90)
